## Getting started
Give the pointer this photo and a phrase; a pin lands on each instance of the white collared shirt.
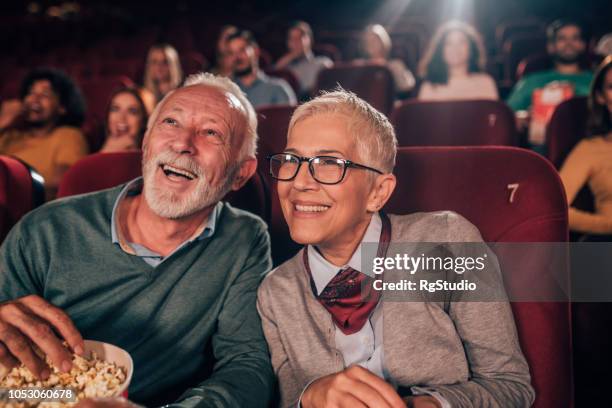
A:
(364, 347)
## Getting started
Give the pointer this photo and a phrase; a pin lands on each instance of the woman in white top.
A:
(376, 44)
(452, 67)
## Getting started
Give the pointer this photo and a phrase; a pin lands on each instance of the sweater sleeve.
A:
(242, 375)
(499, 374)
(289, 388)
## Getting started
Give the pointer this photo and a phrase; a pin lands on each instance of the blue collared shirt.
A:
(134, 187)
(266, 90)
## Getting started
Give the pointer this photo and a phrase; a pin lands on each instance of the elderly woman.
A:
(327, 342)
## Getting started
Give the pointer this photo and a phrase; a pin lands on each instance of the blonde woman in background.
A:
(163, 73)
(376, 45)
(453, 66)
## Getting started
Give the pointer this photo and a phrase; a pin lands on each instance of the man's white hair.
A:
(237, 98)
(374, 135)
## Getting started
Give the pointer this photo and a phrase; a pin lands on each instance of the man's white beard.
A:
(167, 204)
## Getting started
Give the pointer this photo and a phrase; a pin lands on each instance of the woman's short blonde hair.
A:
(374, 134)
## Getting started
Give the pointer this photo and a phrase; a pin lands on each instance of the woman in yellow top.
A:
(590, 162)
(45, 131)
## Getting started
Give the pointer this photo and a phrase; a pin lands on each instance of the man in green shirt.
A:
(160, 267)
(566, 46)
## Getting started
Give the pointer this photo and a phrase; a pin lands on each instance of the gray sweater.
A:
(171, 319)
(468, 352)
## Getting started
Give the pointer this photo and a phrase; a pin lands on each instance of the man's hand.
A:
(353, 387)
(106, 403)
(29, 321)
(422, 401)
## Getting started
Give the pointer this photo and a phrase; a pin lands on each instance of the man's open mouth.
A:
(177, 172)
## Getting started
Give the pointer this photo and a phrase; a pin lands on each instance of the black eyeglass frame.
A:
(309, 160)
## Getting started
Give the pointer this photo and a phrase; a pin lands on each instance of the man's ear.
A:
(384, 185)
(599, 98)
(246, 171)
(550, 47)
(61, 110)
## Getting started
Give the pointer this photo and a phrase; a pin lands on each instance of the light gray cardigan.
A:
(470, 355)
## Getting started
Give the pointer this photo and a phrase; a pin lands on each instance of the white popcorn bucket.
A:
(113, 354)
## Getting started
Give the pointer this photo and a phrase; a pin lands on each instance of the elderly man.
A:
(300, 59)
(152, 266)
(355, 347)
(42, 128)
(243, 52)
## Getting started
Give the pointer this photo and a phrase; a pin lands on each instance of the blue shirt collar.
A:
(134, 187)
(323, 271)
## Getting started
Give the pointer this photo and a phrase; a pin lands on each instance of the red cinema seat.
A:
(511, 195)
(519, 47)
(105, 170)
(100, 171)
(567, 126)
(193, 62)
(455, 123)
(373, 83)
(272, 127)
(509, 29)
(533, 63)
(97, 93)
(21, 190)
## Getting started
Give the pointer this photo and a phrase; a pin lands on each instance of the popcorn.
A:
(88, 378)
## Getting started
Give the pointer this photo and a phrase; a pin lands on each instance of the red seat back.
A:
(272, 127)
(511, 195)
(519, 47)
(373, 83)
(456, 123)
(20, 192)
(567, 126)
(533, 63)
(105, 170)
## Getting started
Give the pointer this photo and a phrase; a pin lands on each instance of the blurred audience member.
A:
(243, 54)
(45, 133)
(377, 47)
(223, 64)
(453, 66)
(566, 45)
(300, 59)
(163, 73)
(535, 97)
(126, 121)
(604, 45)
(590, 163)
